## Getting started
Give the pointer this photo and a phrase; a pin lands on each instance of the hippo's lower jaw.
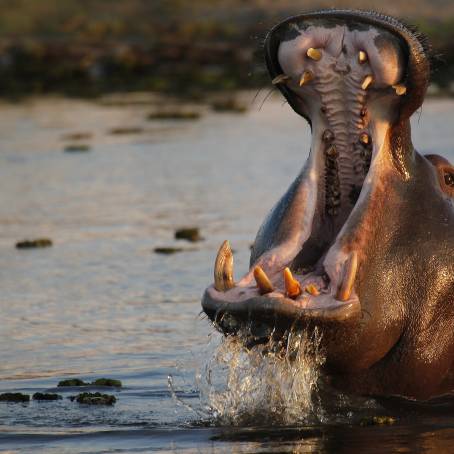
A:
(280, 299)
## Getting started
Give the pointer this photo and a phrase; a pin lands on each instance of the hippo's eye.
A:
(449, 179)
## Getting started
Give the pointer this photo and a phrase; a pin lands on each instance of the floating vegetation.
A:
(228, 105)
(72, 382)
(77, 136)
(191, 234)
(107, 382)
(167, 250)
(98, 382)
(94, 399)
(46, 396)
(14, 397)
(126, 130)
(31, 244)
(174, 115)
(77, 148)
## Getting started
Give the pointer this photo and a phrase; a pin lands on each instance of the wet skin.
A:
(362, 244)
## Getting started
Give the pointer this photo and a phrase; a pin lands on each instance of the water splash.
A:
(269, 383)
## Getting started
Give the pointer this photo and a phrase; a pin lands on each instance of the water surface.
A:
(101, 303)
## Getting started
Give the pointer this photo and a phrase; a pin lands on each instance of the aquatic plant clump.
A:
(110, 382)
(107, 382)
(191, 234)
(32, 244)
(72, 382)
(14, 397)
(94, 399)
(77, 148)
(271, 383)
(46, 396)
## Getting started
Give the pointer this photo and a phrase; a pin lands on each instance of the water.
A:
(100, 303)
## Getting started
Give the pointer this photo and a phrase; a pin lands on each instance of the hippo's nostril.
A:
(306, 77)
(362, 57)
(314, 54)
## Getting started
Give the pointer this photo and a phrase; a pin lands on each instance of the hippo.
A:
(361, 246)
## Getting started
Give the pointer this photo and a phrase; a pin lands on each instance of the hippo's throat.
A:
(342, 146)
(345, 143)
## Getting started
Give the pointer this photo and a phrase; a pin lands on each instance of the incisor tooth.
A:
(367, 81)
(345, 289)
(315, 54)
(292, 286)
(263, 283)
(400, 89)
(362, 56)
(306, 77)
(312, 289)
(223, 268)
(280, 79)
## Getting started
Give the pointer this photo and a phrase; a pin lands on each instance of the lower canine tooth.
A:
(263, 283)
(292, 286)
(223, 268)
(350, 268)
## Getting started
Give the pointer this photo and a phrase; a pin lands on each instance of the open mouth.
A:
(348, 77)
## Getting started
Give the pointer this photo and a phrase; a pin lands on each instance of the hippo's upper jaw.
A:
(367, 225)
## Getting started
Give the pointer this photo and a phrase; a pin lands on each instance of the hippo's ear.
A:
(445, 172)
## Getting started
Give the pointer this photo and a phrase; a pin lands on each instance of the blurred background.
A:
(88, 47)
